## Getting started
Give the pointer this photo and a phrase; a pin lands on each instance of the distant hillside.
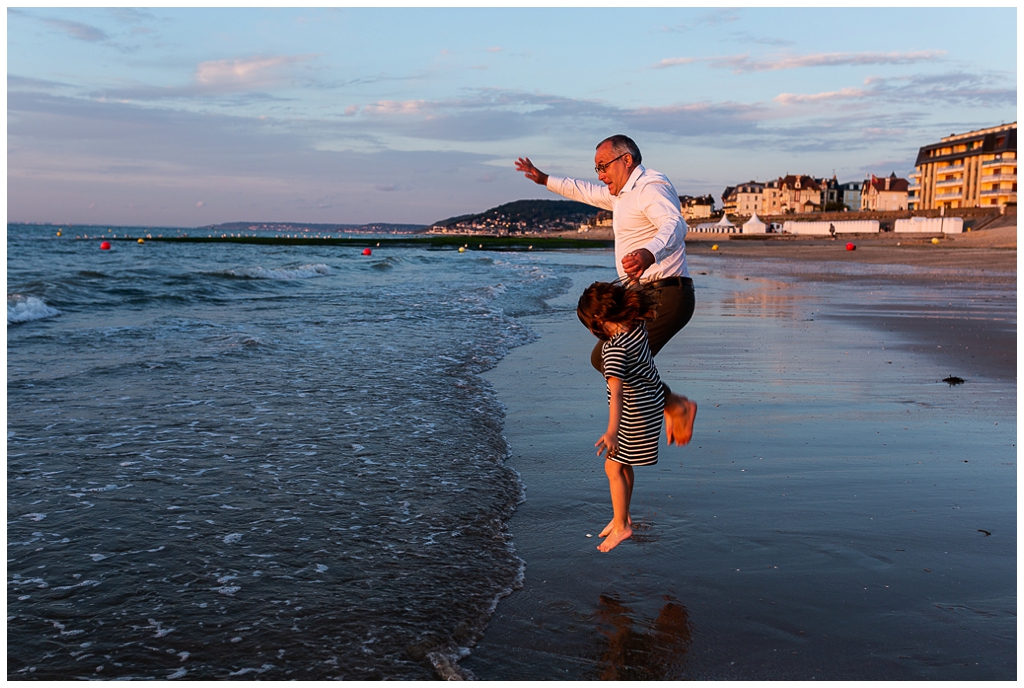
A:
(372, 228)
(524, 216)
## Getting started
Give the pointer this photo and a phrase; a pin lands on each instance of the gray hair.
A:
(622, 144)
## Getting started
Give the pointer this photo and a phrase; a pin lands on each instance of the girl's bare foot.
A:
(680, 413)
(614, 538)
(611, 524)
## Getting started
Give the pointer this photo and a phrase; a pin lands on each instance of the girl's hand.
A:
(608, 442)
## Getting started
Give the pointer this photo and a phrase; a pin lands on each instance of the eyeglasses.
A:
(605, 165)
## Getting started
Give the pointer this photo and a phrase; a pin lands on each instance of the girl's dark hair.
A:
(604, 302)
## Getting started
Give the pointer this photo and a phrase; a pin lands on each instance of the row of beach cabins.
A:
(917, 225)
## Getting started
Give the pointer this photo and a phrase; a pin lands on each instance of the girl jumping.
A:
(636, 396)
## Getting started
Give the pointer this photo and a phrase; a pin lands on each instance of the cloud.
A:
(247, 74)
(82, 32)
(130, 15)
(238, 82)
(962, 88)
(494, 50)
(842, 94)
(744, 64)
(950, 88)
(696, 119)
(397, 107)
(744, 37)
(15, 82)
(65, 152)
(676, 61)
(705, 19)
(490, 115)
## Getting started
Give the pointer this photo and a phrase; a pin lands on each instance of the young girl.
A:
(636, 397)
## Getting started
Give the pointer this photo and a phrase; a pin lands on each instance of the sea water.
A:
(232, 461)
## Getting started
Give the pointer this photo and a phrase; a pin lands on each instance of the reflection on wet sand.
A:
(770, 299)
(641, 649)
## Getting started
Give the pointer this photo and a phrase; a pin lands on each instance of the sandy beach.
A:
(842, 513)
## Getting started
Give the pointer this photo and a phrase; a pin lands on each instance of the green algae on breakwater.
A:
(478, 243)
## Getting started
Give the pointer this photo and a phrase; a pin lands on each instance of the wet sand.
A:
(841, 512)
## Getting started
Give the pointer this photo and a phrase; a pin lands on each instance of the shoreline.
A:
(797, 536)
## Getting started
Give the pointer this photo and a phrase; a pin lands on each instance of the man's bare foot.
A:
(680, 413)
(614, 538)
(611, 524)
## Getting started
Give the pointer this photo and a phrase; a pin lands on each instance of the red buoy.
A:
(851, 246)
(367, 251)
(105, 246)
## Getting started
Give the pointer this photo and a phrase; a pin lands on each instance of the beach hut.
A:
(823, 228)
(754, 225)
(931, 225)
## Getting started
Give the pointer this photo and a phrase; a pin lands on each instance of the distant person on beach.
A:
(650, 248)
(636, 396)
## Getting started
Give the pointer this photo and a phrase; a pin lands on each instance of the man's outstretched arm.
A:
(573, 189)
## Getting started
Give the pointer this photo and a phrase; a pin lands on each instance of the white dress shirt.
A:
(645, 214)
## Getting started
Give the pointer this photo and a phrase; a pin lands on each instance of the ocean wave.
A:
(290, 273)
(22, 309)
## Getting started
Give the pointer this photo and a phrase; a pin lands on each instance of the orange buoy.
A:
(105, 246)
(367, 252)
(851, 246)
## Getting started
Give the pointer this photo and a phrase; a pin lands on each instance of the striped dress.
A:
(627, 356)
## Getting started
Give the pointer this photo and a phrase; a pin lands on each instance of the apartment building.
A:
(885, 193)
(748, 197)
(771, 198)
(851, 194)
(972, 170)
(789, 194)
(799, 194)
(696, 207)
(729, 200)
(831, 193)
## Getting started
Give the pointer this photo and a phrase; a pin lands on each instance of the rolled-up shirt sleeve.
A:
(584, 192)
(661, 207)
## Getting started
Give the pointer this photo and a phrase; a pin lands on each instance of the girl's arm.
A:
(609, 441)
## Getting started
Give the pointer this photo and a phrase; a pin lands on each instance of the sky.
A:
(188, 117)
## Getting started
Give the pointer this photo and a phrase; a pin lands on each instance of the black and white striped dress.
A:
(627, 356)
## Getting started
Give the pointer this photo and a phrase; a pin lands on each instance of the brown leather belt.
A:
(676, 281)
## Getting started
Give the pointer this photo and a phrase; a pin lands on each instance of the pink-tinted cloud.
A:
(245, 74)
(676, 61)
(741, 64)
(826, 96)
(82, 32)
(398, 107)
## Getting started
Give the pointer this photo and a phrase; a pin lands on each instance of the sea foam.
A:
(22, 309)
(291, 273)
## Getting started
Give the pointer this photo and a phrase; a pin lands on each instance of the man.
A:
(649, 247)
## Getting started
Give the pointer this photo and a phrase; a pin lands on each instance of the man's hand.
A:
(636, 263)
(526, 167)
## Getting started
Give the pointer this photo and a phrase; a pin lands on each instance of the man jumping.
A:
(650, 247)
